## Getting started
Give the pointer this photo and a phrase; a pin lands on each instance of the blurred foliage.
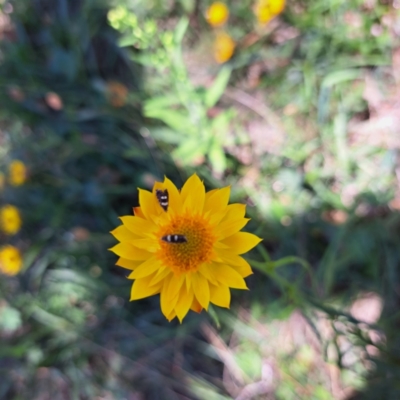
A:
(182, 106)
(94, 100)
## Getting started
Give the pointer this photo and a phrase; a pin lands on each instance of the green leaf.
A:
(214, 93)
(220, 125)
(161, 102)
(180, 30)
(174, 119)
(217, 157)
(128, 40)
(188, 5)
(341, 76)
(10, 319)
(189, 151)
(63, 63)
(167, 135)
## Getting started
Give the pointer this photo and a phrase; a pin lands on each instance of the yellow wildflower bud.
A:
(224, 47)
(17, 173)
(10, 260)
(266, 10)
(10, 220)
(217, 14)
(276, 6)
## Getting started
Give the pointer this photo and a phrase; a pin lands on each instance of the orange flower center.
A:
(187, 256)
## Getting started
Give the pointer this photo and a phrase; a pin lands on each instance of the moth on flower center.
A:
(174, 238)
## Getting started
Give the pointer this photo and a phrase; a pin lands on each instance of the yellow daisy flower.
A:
(185, 245)
(17, 173)
(10, 260)
(10, 219)
(224, 47)
(217, 14)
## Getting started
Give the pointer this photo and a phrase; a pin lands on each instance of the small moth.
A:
(162, 197)
(174, 239)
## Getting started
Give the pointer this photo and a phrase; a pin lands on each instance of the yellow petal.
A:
(229, 227)
(125, 250)
(148, 203)
(201, 289)
(220, 245)
(216, 217)
(220, 295)
(185, 300)
(171, 316)
(150, 245)
(141, 288)
(196, 306)
(123, 234)
(175, 285)
(128, 264)
(218, 200)
(207, 271)
(226, 275)
(209, 194)
(242, 242)
(238, 263)
(138, 226)
(188, 282)
(193, 194)
(167, 303)
(161, 274)
(234, 211)
(138, 212)
(145, 269)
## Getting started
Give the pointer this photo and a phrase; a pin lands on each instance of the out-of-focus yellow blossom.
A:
(17, 173)
(2, 180)
(217, 14)
(224, 47)
(264, 15)
(10, 260)
(10, 219)
(266, 10)
(117, 93)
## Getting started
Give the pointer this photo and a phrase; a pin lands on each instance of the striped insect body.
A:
(174, 239)
(162, 197)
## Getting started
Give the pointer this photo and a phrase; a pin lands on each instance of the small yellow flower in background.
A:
(10, 260)
(185, 245)
(264, 15)
(117, 93)
(217, 14)
(224, 47)
(266, 10)
(276, 6)
(17, 173)
(10, 219)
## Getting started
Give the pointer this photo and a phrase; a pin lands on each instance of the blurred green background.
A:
(297, 109)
